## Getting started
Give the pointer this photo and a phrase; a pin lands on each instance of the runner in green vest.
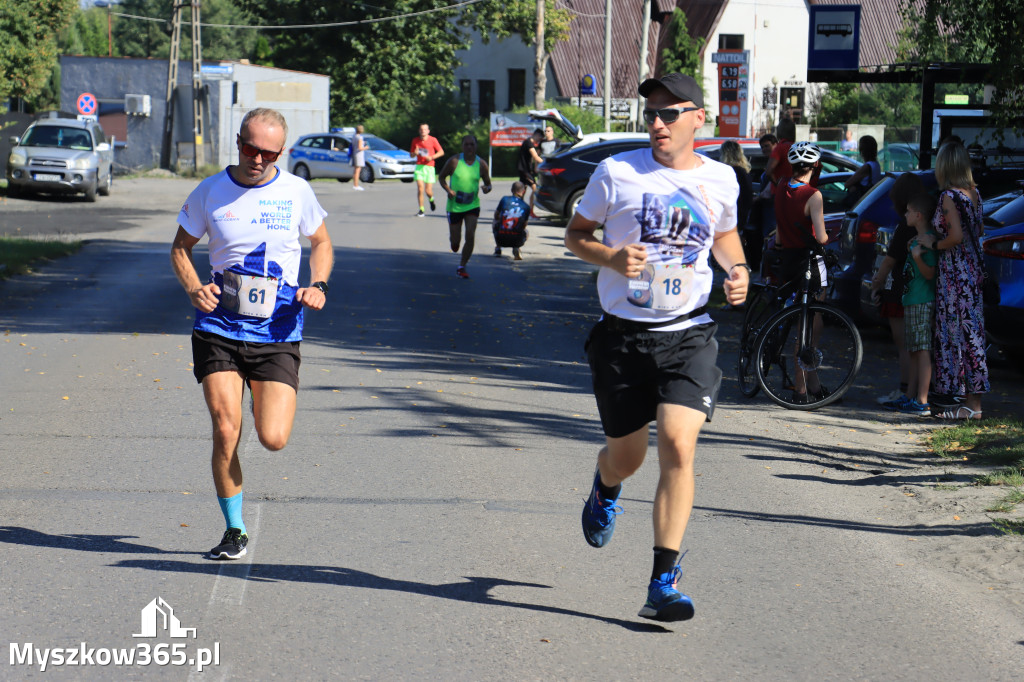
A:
(465, 170)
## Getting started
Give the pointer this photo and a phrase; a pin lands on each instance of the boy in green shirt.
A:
(919, 305)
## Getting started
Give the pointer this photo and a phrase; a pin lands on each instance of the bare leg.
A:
(678, 428)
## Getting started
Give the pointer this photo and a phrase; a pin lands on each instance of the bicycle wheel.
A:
(760, 307)
(824, 344)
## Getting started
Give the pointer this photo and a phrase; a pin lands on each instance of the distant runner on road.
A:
(426, 149)
(466, 170)
(249, 315)
(652, 355)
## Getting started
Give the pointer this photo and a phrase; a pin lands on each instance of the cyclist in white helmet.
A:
(799, 211)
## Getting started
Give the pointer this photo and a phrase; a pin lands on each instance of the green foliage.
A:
(974, 32)
(86, 34)
(519, 17)
(152, 39)
(683, 53)
(17, 255)
(28, 43)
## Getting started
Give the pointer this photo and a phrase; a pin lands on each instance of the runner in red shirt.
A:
(426, 149)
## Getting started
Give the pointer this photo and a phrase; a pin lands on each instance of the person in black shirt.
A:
(528, 160)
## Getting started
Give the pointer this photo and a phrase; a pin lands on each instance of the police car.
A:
(326, 155)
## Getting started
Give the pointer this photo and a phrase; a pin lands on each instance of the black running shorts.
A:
(256, 361)
(635, 370)
(455, 217)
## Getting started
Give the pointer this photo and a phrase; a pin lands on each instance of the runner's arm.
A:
(485, 175)
(439, 153)
(629, 261)
(442, 178)
(728, 251)
(203, 297)
(321, 261)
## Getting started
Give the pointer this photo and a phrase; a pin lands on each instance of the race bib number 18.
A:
(665, 286)
(249, 295)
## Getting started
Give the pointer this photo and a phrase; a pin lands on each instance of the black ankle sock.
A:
(903, 388)
(606, 492)
(664, 561)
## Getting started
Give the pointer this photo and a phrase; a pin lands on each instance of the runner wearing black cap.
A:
(653, 352)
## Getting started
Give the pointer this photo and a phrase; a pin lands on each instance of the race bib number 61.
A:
(249, 295)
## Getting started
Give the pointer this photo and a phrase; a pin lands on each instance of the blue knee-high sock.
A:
(231, 507)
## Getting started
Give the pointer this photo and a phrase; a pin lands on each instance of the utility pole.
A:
(172, 85)
(607, 66)
(645, 30)
(540, 76)
(197, 89)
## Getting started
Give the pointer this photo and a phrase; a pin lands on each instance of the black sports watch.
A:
(322, 286)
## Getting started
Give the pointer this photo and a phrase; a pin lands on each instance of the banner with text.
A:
(509, 130)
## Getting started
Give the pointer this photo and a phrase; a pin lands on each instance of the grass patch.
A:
(17, 255)
(998, 443)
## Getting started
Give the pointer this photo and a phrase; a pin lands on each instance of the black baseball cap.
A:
(682, 86)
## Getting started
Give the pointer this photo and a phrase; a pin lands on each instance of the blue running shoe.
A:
(664, 601)
(599, 516)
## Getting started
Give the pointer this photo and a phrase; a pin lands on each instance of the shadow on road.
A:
(476, 590)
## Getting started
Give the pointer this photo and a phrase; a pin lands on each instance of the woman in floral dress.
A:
(960, 364)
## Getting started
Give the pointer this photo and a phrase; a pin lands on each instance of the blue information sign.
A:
(833, 40)
(588, 85)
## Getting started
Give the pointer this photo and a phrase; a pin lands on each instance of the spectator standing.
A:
(528, 160)
(549, 145)
(733, 156)
(778, 168)
(359, 146)
(919, 304)
(426, 149)
(961, 367)
(887, 283)
(848, 144)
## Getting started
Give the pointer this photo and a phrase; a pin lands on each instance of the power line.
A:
(378, 20)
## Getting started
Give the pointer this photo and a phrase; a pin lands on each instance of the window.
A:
(727, 41)
(486, 98)
(516, 87)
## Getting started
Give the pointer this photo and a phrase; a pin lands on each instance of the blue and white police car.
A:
(326, 155)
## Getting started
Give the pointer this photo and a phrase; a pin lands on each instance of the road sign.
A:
(87, 103)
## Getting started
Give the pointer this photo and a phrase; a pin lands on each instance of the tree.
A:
(86, 34)
(683, 52)
(976, 32)
(28, 43)
(152, 39)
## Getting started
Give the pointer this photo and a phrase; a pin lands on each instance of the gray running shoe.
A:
(232, 545)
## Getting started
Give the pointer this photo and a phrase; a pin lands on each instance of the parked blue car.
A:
(1003, 247)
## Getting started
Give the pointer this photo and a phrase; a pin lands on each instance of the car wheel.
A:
(574, 201)
(13, 190)
(104, 189)
(408, 179)
(90, 193)
(366, 175)
(344, 179)
(302, 171)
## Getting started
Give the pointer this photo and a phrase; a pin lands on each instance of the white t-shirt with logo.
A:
(254, 231)
(675, 214)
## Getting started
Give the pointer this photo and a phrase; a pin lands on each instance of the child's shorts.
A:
(919, 325)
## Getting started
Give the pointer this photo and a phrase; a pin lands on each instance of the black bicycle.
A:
(790, 341)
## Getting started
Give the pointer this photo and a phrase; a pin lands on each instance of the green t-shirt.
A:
(918, 289)
(465, 182)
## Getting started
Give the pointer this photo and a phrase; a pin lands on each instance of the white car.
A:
(61, 156)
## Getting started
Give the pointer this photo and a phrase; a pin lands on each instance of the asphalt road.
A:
(424, 520)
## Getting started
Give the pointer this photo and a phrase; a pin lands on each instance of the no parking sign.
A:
(86, 104)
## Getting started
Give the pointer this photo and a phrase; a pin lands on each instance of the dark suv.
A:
(562, 178)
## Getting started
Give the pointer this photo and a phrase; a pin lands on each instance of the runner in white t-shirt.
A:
(249, 316)
(653, 353)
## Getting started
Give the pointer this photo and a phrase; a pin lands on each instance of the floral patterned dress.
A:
(959, 355)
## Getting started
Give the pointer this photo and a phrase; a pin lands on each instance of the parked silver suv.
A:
(61, 155)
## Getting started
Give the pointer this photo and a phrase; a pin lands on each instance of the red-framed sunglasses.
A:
(251, 151)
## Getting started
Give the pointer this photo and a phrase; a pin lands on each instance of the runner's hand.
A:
(206, 297)
(736, 286)
(311, 297)
(630, 260)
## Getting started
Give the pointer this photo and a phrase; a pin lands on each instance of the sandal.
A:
(960, 413)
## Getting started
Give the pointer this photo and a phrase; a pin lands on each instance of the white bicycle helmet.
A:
(806, 153)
